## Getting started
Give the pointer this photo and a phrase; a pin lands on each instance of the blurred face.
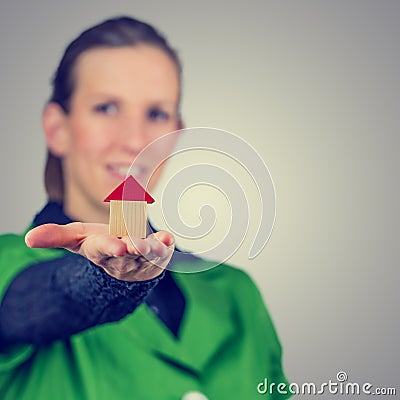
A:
(124, 99)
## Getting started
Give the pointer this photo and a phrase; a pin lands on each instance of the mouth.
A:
(121, 171)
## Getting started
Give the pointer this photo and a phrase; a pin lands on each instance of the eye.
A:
(110, 108)
(155, 114)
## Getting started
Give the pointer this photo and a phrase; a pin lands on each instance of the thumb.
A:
(52, 235)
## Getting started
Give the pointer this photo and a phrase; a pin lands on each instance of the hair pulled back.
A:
(116, 32)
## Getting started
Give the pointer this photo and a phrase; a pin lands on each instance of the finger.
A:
(68, 236)
(155, 245)
(164, 237)
(99, 247)
(53, 235)
(161, 244)
(157, 248)
(136, 246)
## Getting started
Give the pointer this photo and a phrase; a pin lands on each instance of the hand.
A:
(123, 259)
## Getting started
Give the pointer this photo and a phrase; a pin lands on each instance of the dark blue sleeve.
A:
(58, 298)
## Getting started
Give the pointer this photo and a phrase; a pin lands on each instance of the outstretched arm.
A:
(106, 280)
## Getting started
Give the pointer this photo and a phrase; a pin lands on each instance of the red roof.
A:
(130, 190)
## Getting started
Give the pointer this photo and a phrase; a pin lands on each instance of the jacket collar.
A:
(51, 213)
(208, 325)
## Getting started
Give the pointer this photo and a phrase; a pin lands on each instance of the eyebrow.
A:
(102, 95)
(163, 103)
(113, 97)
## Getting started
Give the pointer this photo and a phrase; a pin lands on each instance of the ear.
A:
(55, 127)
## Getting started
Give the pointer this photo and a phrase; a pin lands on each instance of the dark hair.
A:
(117, 32)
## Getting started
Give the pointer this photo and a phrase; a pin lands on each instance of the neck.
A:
(80, 208)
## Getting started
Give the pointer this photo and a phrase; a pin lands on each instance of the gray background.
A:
(314, 87)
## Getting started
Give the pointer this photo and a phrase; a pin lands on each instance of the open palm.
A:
(124, 259)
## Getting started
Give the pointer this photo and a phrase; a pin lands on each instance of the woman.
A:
(88, 316)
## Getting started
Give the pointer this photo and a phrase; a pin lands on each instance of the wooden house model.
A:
(128, 209)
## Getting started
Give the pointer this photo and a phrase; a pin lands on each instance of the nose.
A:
(134, 136)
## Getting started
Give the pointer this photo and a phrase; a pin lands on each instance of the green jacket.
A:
(227, 345)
